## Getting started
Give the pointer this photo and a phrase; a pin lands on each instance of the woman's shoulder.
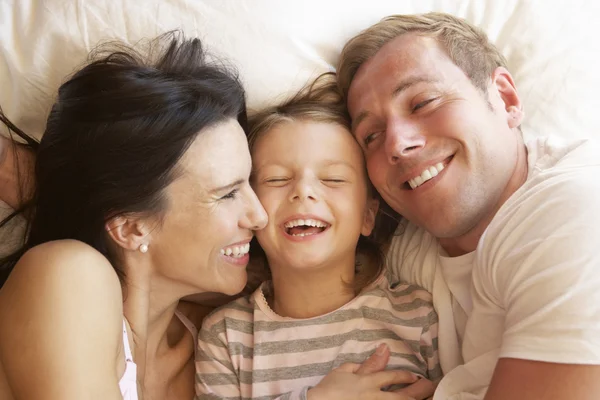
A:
(65, 259)
(62, 305)
(65, 273)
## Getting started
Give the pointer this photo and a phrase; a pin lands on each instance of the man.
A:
(503, 233)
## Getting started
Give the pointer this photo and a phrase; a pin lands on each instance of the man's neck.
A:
(300, 293)
(468, 242)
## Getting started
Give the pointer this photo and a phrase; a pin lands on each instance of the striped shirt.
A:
(246, 351)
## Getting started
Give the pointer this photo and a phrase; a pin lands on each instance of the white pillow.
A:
(278, 46)
(551, 46)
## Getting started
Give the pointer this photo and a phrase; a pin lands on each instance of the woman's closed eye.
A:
(230, 195)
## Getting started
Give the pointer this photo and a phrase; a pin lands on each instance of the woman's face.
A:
(203, 239)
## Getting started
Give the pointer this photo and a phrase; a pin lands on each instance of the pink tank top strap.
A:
(188, 324)
(128, 382)
(126, 346)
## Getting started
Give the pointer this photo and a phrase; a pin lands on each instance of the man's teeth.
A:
(305, 222)
(236, 251)
(426, 175)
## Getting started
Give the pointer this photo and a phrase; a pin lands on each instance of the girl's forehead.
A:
(303, 142)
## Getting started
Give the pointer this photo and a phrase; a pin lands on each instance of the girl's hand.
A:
(364, 381)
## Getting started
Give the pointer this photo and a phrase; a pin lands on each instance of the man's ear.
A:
(369, 219)
(128, 233)
(503, 82)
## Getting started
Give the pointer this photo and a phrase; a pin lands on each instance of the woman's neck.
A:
(149, 307)
(306, 293)
(163, 348)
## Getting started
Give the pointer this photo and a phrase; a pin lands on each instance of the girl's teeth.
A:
(303, 234)
(305, 222)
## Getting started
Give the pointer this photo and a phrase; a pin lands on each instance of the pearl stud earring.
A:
(143, 248)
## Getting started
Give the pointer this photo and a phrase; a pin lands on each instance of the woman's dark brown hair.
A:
(115, 135)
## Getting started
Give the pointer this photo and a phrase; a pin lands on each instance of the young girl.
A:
(328, 302)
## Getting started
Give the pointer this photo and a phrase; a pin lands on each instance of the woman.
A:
(141, 198)
(129, 216)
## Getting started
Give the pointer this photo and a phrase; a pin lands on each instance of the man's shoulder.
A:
(561, 184)
(557, 206)
(412, 255)
(555, 155)
(412, 239)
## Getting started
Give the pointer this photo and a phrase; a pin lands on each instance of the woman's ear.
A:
(369, 219)
(129, 233)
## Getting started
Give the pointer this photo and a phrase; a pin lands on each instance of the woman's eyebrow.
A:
(227, 187)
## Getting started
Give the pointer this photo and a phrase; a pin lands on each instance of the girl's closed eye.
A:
(334, 181)
(276, 180)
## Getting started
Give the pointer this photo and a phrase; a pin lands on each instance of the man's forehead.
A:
(402, 53)
(406, 56)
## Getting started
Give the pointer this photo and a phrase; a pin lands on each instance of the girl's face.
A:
(311, 179)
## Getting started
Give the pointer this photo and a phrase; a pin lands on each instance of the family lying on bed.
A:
(144, 192)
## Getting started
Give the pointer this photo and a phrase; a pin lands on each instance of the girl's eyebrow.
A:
(329, 163)
(324, 163)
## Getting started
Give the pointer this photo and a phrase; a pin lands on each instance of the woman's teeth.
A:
(236, 251)
(426, 175)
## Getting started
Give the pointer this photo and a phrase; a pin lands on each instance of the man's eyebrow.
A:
(408, 82)
(360, 118)
(402, 86)
(227, 187)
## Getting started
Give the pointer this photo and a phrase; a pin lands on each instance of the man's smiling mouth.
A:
(427, 174)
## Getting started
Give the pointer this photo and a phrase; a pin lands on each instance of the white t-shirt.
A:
(531, 289)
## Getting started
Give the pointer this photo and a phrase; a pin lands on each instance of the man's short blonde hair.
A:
(466, 45)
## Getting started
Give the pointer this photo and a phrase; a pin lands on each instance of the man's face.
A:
(438, 150)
